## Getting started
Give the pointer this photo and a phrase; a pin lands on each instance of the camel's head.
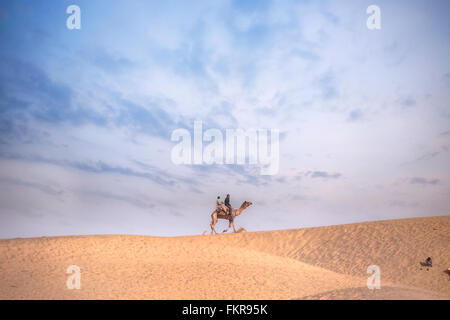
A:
(246, 204)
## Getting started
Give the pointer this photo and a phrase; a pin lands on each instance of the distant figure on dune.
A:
(226, 212)
(428, 263)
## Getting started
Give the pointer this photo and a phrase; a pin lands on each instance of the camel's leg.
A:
(213, 223)
(234, 229)
(229, 226)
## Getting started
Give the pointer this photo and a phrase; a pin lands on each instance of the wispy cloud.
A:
(53, 191)
(355, 115)
(407, 102)
(157, 176)
(327, 84)
(424, 181)
(134, 201)
(323, 175)
(27, 91)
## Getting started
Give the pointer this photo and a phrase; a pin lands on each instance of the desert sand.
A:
(313, 263)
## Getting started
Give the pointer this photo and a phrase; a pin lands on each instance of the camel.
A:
(224, 215)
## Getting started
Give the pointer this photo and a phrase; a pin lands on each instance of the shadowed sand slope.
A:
(314, 263)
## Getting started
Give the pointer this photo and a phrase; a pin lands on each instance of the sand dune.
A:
(314, 263)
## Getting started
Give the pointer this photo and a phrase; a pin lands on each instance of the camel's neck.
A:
(242, 208)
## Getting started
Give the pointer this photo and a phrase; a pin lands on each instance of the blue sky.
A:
(86, 115)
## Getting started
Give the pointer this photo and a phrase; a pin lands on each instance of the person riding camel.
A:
(220, 206)
(230, 209)
(218, 203)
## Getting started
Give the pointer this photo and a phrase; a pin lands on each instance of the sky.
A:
(86, 115)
